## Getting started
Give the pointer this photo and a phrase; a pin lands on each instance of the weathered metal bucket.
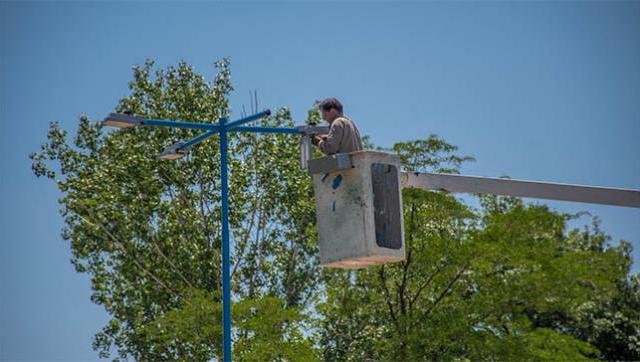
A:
(358, 209)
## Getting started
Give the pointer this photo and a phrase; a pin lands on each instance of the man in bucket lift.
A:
(343, 134)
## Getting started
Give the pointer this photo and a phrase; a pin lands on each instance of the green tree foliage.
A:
(148, 232)
(268, 331)
(613, 326)
(476, 284)
(505, 281)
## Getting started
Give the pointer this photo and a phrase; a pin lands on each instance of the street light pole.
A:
(226, 277)
(179, 150)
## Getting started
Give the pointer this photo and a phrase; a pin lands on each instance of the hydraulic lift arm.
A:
(521, 188)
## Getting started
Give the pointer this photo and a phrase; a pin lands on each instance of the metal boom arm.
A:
(534, 189)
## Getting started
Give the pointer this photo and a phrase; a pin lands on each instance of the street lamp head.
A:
(174, 151)
(123, 120)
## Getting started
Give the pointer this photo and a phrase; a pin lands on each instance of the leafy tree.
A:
(611, 325)
(474, 282)
(148, 232)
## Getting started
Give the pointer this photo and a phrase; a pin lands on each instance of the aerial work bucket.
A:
(358, 209)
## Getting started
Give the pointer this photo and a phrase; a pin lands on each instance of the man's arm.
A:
(331, 143)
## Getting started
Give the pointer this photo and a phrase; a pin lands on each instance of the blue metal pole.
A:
(226, 277)
(198, 139)
(263, 129)
(244, 120)
(180, 124)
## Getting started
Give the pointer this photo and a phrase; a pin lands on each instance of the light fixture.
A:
(123, 120)
(174, 152)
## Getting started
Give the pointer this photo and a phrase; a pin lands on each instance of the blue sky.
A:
(540, 91)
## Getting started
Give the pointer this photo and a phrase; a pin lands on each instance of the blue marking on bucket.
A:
(336, 181)
(325, 177)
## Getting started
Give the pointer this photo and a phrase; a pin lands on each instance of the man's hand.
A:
(316, 139)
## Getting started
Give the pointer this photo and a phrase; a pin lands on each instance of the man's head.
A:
(330, 109)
